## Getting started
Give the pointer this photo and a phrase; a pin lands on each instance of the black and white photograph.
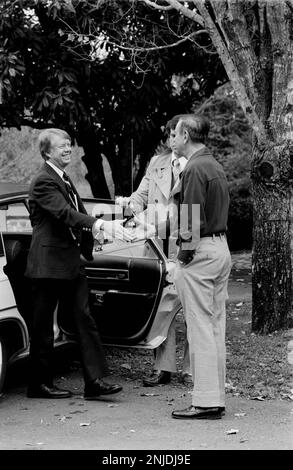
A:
(146, 229)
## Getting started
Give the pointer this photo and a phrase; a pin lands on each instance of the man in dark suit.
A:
(62, 231)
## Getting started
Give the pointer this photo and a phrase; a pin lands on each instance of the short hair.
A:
(172, 123)
(45, 140)
(197, 127)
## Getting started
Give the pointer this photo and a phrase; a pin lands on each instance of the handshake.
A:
(139, 229)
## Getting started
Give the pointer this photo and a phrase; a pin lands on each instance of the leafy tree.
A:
(253, 39)
(48, 78)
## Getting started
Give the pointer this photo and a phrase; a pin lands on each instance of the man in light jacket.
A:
(156, 196)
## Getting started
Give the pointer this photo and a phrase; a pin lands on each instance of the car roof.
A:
(12, 189)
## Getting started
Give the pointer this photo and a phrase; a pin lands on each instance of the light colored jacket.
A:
(156, 197)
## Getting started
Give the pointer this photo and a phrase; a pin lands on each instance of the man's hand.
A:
(112, 229)
(142, 230)
(122, 201)
(185, 256)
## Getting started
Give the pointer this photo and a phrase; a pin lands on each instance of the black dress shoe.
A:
(94, 390)
(46, 391)
(156, 378)
(192, 412)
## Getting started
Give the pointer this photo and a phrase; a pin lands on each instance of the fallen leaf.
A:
(126, 366)
(40, 443)
(239, 414)
(62, 419)
(239, 305)
(243, 440)
(230, 387)
(149, 394)
(259, 398)
(84, 424)
(132, 430)
(232, 431)
(112, 405)
(286, 395)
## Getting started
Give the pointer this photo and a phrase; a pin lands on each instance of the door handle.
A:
(107, 273)
(98, 297)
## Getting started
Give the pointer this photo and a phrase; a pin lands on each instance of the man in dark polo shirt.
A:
(203, 267)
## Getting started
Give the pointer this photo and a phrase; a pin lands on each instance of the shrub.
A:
(240, 215)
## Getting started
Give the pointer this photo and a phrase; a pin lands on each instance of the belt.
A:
(215, 234)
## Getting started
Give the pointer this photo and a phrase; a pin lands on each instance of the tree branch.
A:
(232, 21)
(154, 48)
(157, 6)
(232, 71)
(279, 21)
(179, 6)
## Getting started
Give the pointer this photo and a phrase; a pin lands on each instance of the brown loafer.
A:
(158, 377)
(192, 412)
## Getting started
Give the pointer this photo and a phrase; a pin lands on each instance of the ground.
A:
(259, 397)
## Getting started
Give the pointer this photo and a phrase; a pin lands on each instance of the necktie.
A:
(176, 170)
(70, 190)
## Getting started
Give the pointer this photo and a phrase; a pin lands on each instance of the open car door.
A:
(126, 281)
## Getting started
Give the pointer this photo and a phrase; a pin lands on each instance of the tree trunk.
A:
(272, 238)
(94, 162)
(110, 151)
(254, 41)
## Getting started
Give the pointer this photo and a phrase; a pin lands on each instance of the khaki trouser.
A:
(202, 288)
(165, 354)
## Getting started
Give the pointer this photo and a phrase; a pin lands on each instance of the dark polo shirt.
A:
(204, 182)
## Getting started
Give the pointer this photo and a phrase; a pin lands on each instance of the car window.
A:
(108, 210)
(2, 253)
(2, 261)
(141, 249)
(14, 217)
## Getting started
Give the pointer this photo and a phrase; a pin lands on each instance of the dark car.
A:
(127, 282)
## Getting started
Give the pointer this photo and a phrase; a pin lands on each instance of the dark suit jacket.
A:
(60, 233)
